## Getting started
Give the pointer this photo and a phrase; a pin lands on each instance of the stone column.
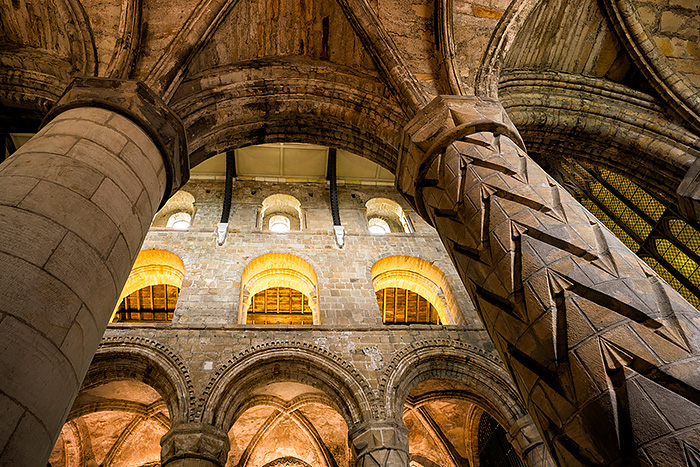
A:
(526, 440)
(194, 445)
(603, 352)
(380, 443)
(76, 202)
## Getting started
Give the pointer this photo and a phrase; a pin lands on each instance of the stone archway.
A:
(482, 380)
(279, 270)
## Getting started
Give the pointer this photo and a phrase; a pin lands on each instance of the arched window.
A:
(387, 216)
(412, 291)
(281, 213)
(279, 288)
(152, 289)
(153, 303)
(645, 222)
(177, 213)
(180, 221)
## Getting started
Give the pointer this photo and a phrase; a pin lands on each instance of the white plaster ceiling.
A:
(289, 162)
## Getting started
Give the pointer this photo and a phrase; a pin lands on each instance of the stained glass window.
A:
(644, 222)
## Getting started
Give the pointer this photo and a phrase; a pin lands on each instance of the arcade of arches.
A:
(335, 233)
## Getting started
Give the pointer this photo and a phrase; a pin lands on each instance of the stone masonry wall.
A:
(205, 332)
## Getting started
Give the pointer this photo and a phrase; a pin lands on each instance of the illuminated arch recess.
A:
(180, 206)
(278, 270)
(419, 276)
(153, 267)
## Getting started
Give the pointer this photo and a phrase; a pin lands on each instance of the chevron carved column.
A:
(603, 352)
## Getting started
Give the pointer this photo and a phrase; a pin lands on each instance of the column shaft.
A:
(603, 352)
(380, 443)
(76, 202)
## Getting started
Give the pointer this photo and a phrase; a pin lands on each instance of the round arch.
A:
(228, 393)
(419, 276)
(389, 210)
(148, 362)
(286, 205)
(153, 267)
(287, 462)
(182, 202)
(337, 108)
(488, 385)
(278, 270)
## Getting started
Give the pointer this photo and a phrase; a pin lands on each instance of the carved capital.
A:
(194, 441)
(136, 101)
(380, 443)
(443, 122)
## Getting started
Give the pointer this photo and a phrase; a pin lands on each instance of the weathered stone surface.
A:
(538, 264)
(194, 444)
(380, 443)
(78, 220)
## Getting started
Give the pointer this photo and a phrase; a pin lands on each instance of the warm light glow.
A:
(419, 276)
(181, 225)
(279, 224)
(378, 226)
(180, 221)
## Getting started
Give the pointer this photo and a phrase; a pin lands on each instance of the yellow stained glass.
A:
(612, 208)
(630, 190)
(624, 214)
(610, 224)
(675, 283)
(686, 234)
(679, 260)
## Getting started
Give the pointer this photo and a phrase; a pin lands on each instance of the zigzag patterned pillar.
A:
(380, 443)
(604, 353)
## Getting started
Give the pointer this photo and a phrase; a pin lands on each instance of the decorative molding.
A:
(128, 41)
(364, 398)
(536, 263)
(122, 343)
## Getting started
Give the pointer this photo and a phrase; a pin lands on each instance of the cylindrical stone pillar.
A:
(380, 443)
(76, 202)
(194, 445)
(604, 353)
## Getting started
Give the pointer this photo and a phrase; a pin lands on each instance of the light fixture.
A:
(279, 224)
(378, 226)
(180, 221)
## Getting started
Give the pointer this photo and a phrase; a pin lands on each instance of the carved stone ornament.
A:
(221, 230)
(194, 441)
(603, 352)
(380, 443)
